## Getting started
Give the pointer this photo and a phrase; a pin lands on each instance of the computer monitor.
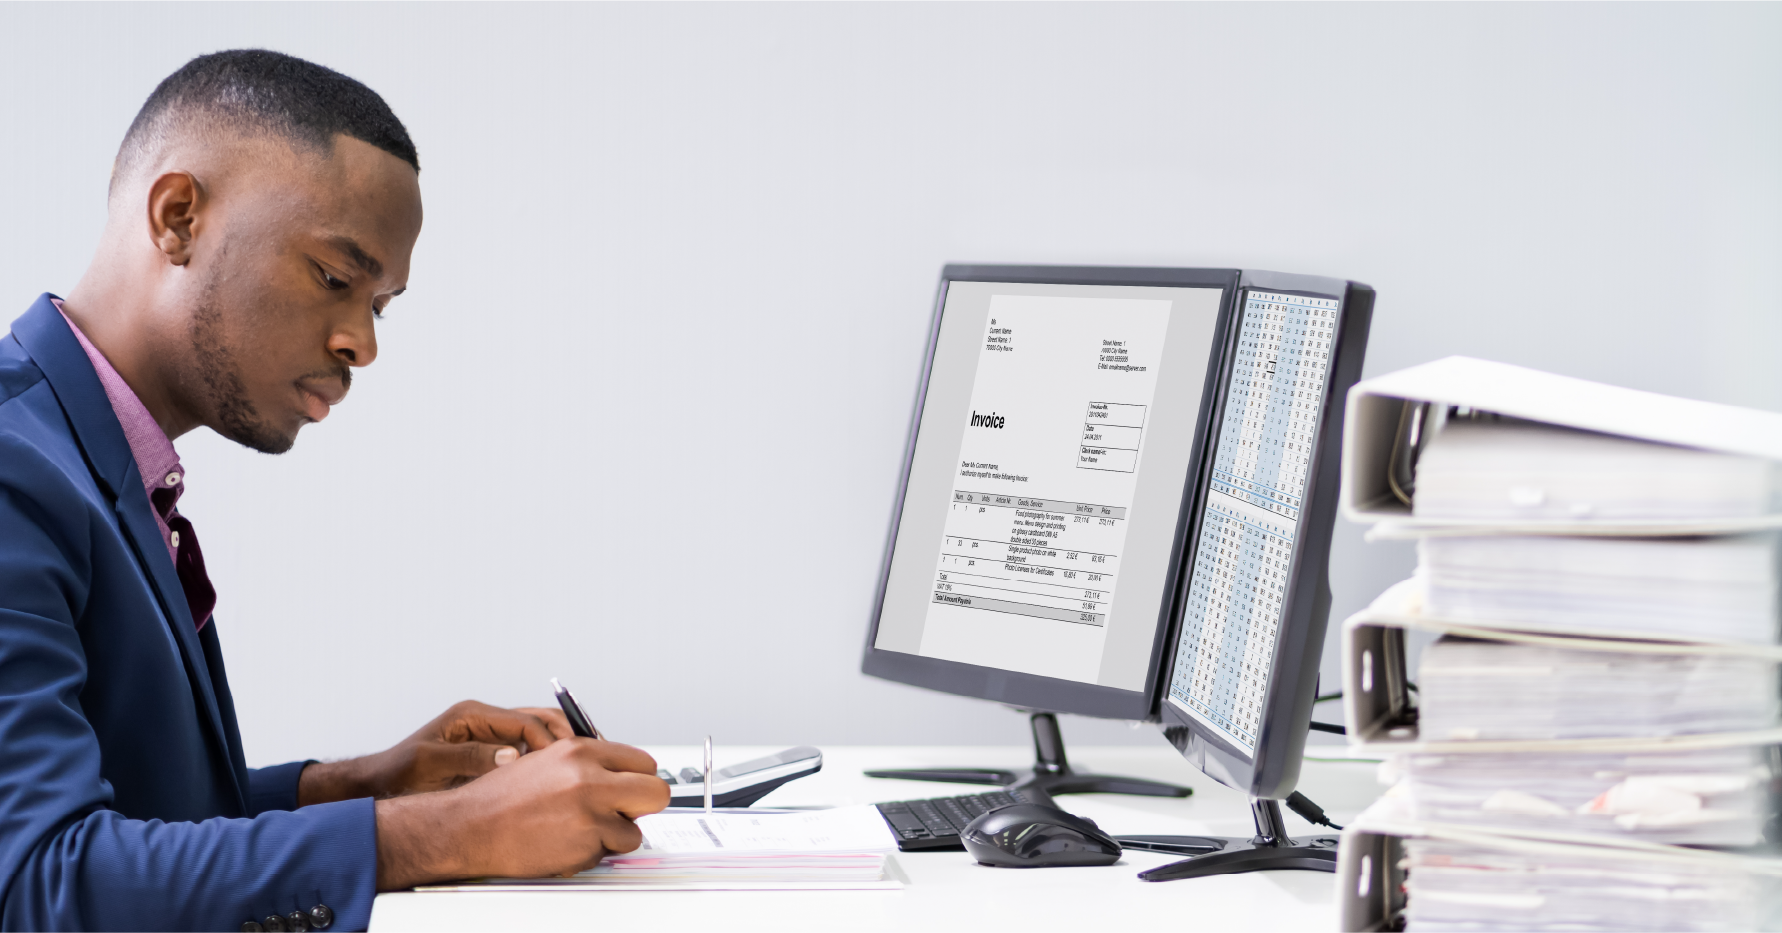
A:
(1055, 488)
(1243, 675)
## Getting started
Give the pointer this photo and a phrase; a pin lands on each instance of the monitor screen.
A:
(1054, 446)
(1250, 523)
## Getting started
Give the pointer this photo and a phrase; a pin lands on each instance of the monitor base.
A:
(1051, 773)
(1271, 849)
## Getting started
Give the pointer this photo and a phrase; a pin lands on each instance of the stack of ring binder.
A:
(1590, 740)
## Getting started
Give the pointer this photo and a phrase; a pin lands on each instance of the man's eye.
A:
(332, 282)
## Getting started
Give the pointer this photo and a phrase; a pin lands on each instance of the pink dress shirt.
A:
(163, 479)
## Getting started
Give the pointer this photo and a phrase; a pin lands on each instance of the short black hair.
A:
(256, 90)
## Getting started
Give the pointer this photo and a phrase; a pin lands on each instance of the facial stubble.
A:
(238, 419)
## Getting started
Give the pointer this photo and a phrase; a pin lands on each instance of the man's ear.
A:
(173, 204)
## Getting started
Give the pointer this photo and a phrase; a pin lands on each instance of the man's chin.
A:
(257, 435)
(271, 445)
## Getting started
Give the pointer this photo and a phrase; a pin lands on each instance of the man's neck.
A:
(124, 330)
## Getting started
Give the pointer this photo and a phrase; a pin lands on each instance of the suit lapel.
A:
(53, 347)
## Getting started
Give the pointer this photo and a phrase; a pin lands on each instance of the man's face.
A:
(293, 258)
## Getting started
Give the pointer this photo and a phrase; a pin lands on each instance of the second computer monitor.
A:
(1256, 595)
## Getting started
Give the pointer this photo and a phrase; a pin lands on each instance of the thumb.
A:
(473, 759)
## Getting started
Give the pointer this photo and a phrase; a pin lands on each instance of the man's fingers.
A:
(472, 721)
(614, 756)
(474, 759)
(620, 836)
(634, 795)
(533, 729)
(618, 777)
(554, 720)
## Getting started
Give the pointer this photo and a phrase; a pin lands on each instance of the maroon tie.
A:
(189, 560)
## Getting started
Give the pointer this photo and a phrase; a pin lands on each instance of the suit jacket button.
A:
(274, 924)
(321, 916)
(252, 926)
(297, 922)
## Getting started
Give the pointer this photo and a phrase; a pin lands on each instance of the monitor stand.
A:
(1271, 849)
(1051, 773)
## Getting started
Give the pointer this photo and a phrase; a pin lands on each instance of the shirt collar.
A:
(156, 459)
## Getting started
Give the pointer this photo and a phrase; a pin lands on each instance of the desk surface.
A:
(947, 890)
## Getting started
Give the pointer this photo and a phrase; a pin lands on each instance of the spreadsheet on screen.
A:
(1251, 518)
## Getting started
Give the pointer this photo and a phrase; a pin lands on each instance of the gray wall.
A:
(637, 422)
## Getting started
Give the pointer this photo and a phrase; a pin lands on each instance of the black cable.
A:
(1309, 811)
(1329, 727)
(1339, 694)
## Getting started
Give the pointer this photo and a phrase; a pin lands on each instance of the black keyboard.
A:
(937, 823)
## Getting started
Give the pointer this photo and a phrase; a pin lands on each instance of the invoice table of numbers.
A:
(1043, 558)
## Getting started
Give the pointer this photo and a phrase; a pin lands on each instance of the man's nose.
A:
(355, 343)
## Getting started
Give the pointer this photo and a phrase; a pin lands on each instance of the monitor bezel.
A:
(1272, 771)
(1032, 691)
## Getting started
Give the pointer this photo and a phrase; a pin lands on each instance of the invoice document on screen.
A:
(1029, 567)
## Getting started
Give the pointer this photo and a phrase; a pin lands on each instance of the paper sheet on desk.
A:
(845, 848)
(840, 830)
(613, 883)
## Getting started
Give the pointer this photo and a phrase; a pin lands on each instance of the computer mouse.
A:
(1029, 835)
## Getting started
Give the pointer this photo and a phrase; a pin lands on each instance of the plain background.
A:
(637, 423)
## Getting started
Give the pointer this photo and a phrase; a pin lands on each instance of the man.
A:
(262, 213)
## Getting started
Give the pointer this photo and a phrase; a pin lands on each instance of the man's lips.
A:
(319, 397)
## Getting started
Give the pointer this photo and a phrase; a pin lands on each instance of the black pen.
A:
(578, 720)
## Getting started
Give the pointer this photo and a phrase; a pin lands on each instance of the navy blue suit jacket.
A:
(125, 800)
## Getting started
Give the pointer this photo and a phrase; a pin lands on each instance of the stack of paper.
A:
(1497, 691)
(1454, 886)
(1703, 588)
(1512, 470)
(1709, 797)
(845, 848)
(1556, 702)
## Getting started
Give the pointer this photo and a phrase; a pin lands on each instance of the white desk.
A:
(947, 890)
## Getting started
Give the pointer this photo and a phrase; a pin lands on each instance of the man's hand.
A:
(467, 741)
(555, 811)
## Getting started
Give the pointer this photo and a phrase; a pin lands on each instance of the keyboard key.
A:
(932, 818)
(955, 814)
(904, 822)
(937, 822)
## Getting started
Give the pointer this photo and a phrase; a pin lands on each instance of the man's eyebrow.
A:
(357, 254)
